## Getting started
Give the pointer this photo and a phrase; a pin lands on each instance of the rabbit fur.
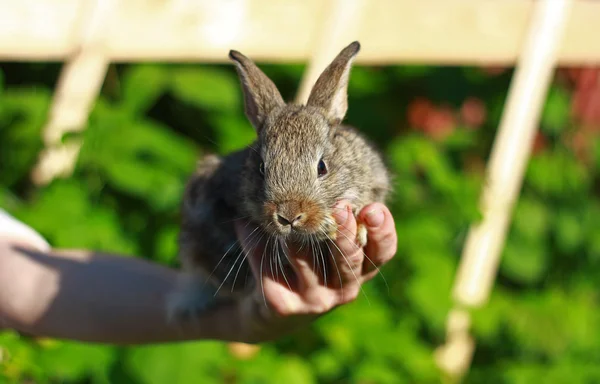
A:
(286, 182)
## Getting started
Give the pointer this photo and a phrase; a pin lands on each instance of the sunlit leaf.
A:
(207, 88)
(524, 261)
(556, 112)
(142, 85)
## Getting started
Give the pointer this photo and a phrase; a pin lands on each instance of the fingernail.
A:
(341, 214)
(374, 217)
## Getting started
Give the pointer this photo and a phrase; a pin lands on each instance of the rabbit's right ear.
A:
(260, 94)
(330, 92)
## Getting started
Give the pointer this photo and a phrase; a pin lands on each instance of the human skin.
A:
(111, 299)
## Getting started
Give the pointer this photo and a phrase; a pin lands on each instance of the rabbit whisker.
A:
(316, 260)
(286, 254)
(370, 261)
(254, 149)
(234, 263)
(271, 257)
(238, 271)
(275, 259)
(252, 248)
(351, 270)
(283, 269)
(302, 244)
(322, 258)
(312, 252)
(223, 257)
(235, 219)
(336, 266)
(262, 259)
(229, 272)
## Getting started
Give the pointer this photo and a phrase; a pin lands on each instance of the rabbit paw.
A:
(331, 228)
(190, 301)
(183, 308)
(361, 235)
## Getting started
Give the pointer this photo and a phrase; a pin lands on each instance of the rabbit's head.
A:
(290, 182)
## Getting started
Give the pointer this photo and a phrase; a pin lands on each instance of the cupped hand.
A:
(298, 283)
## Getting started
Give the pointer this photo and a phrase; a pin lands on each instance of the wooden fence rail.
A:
(391, 31)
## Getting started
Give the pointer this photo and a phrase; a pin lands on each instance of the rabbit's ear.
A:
(330, 92)
(260, 94)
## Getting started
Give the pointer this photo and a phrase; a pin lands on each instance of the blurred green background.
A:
(435, 126)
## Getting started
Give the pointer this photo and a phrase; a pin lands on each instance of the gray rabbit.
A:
(287, 182)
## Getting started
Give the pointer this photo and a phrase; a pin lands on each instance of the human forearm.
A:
(95, 297)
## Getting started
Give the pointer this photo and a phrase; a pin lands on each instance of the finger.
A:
(309, 296)
(382, 238)
(275, 293)
(302, 260)
(347, 255)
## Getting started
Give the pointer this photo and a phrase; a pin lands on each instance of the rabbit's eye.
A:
(261, 169)
(322, 168)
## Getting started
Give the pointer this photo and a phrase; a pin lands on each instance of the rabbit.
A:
(286, 182)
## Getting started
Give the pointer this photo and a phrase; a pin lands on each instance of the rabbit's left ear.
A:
(261, 96)
(330, 92)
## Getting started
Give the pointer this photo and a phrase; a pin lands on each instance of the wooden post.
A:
(339, 28)
(78, 86)
(511, 150)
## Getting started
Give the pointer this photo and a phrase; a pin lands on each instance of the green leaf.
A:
(567, 370)
(142, 85)
(557, 174)
(24, 113)
(553, 322)
(366, 81)
(429, 287)
(412, 153)
(178, 363)
(488, 320)
(18, 359)
(461, 139)
(412, 71)
(234, 132)
(524, 261)
(531, 219)
(167, 245)
(293, 370)
(83, 224)
(569, 232)
(327, 365)
(207, 88)
(423, 232)
(77, 361)
(141, 158)
(374, 371)
(556, 112)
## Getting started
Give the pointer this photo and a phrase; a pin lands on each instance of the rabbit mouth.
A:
(321, 230)
(299, 219)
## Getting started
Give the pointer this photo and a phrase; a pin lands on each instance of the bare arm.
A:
(94, 297)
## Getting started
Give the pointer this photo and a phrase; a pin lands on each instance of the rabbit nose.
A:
(285, 221)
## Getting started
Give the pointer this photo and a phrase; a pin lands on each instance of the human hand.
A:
(314, 282)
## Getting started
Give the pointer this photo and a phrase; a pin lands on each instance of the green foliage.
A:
(151, 124)
(556, 112)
